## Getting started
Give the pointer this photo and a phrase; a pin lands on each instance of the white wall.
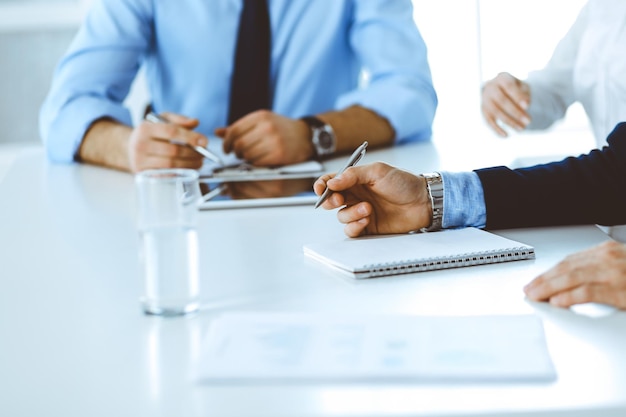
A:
(33, 35)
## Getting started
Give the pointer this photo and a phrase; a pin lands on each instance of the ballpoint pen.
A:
(155, 118)
(354, 158)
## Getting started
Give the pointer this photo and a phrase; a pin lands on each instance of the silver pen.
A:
(155, 118)
(214, 193)
(354, 158)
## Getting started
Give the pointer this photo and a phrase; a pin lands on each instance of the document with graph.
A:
(261, 347)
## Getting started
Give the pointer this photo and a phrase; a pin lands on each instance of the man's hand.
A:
(264, 138)
(595, 275)
(505, 99)
(378, 199)
(150, 144)
(115, 145)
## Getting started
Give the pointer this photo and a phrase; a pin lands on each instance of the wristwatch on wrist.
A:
(434, 184)
(322, 136)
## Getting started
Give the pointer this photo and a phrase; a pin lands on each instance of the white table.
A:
(73, 341)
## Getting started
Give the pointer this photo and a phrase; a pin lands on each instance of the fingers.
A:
(357, 228)
(229, 139)
(235, 132)
(249, 140)
(184, 121)
(595, 275)
(376, 199)
(172, 133)
(354, 213)
(264, 138)
(505, 99)
(589, 293)
(167, 149)
(566, 275)
(516, 90)
(345, 185)
(553, 282)
(359, 175)
(320, 184)
(492, 121)
(165, 145)
(356, 218)
(254, 150)
(334, 182)
(345, 181)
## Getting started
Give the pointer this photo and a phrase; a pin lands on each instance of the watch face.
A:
(325, 141)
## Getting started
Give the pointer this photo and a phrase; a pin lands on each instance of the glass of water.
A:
(167, 223)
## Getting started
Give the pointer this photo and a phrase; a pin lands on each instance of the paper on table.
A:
(274, 347)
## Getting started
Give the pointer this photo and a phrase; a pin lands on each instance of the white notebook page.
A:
(362, 255)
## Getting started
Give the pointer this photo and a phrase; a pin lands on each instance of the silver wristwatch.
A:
(434, 184)
(322, 136)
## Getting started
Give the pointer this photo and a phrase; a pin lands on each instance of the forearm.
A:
(549, 103)
(356, 124)
(552, 88)
(106, 144)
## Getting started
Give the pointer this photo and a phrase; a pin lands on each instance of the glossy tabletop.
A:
(73, 341)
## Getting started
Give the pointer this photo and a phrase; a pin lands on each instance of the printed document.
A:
(313, 347)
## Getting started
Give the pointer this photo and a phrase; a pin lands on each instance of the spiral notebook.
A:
(376, 256)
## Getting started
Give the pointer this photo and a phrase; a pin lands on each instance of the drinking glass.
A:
(167, 224)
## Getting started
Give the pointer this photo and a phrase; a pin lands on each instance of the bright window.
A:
(470, 42)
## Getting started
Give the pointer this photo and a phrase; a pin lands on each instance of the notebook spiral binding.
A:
(466, 259)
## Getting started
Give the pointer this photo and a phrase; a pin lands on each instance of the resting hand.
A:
(150, 144)
(505, 99)
(595, 275)
(264, 138)
(378, 199)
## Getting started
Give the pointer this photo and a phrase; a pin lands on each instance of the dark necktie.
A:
(250, 84)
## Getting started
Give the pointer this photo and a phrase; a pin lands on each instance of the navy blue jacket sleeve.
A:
(589, 189)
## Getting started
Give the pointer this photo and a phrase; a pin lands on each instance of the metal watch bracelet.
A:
(434, 185)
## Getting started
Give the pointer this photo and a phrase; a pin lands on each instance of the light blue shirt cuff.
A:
(463, 200)
(63, 135)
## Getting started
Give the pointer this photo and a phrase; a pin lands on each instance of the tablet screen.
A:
(258, 193)
(243, 185)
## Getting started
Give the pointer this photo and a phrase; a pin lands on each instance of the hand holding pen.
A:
(155, 118)
(377, 199)
(352, 161)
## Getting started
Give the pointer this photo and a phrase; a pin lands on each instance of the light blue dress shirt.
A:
(463, 200)
(320, 51)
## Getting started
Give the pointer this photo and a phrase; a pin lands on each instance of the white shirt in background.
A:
(588, 66)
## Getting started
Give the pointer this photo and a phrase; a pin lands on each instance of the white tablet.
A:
(243, 186)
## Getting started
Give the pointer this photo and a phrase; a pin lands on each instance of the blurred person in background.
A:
(587, 66)
(282, 87)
